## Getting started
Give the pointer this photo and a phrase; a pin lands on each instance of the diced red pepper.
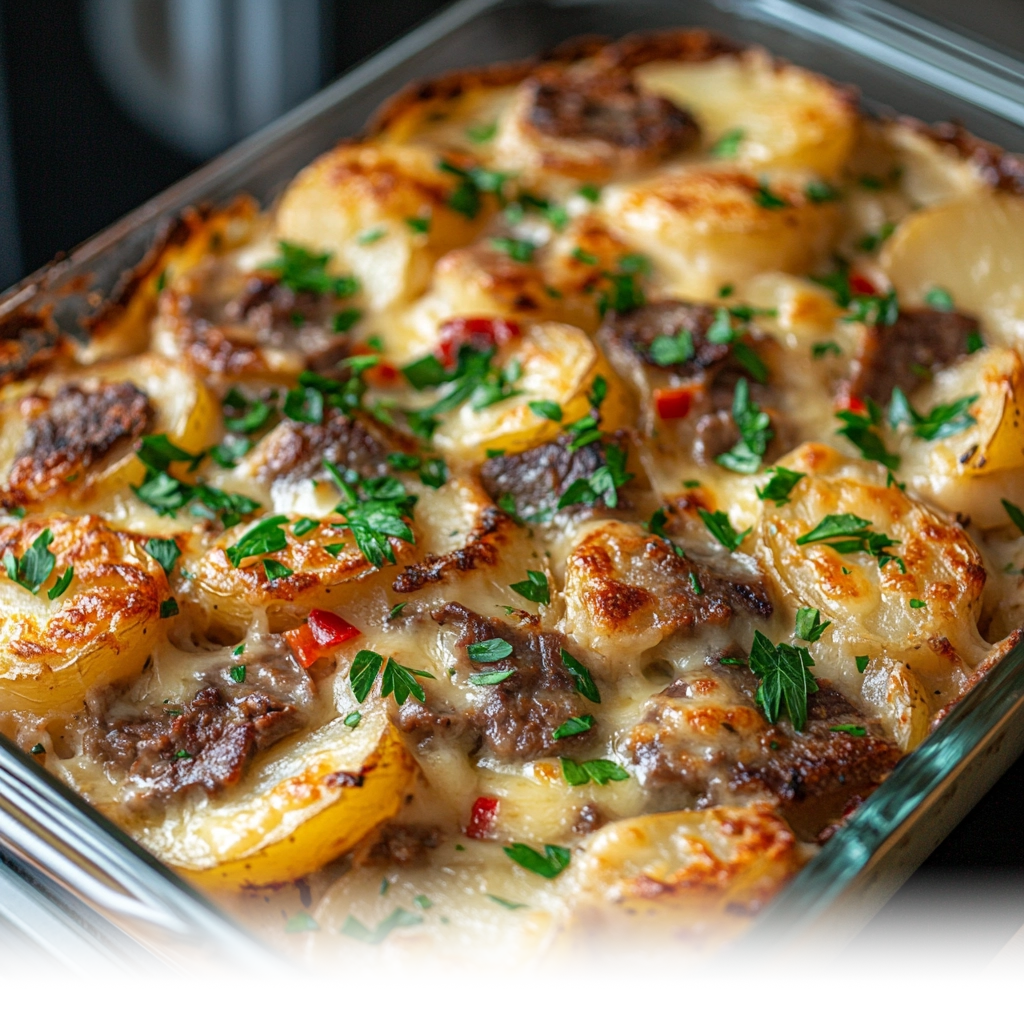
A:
(673, 403)
(481, 818)
(860, 285)
(383, 375)
(478, 331)
(851, 403)
(313, 639)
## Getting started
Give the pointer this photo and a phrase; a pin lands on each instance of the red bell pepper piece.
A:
(313, 639)
(481, 818)
(672, 403)
(860, 285)
(478, 331)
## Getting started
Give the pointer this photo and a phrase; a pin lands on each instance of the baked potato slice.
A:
(780, 115)
(463, 938)
(383, 211)
(100, 629)
(708, 226)
(663, 871)
(296, 810)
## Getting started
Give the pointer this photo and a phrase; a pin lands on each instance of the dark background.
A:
(80, 161)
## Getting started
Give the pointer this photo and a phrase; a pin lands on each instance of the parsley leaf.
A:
(853, 730)
(767, 199)
(721, 529)
(34, 567)
(62, 584)
(165, 550)
(301, 922)
(600, 771)
(780, 483)
(573, 727)
(550, 864)
(491, 678)
(230, 451)
(809, 626)
(275, 570)
(940, 299)
(168, 609)
(859, 430)
(400, 682)
(515, 248)
(374, 511)
(262, 539)
(755, 433)
(825, 348)
(434, 473)
(728, 145)
(666, 350)
(821, 192)
(581, 677)
(974, 342)
(847, 533)
(304, 271)
(534, 587)
(363, 673)
(785, 677)
(480, 133)
(943, 420)
(862, 662)
(398, 918)
(1016, 514)
(602, 484)
(547, 410)
(489, 650)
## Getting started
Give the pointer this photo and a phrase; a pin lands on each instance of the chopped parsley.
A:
(264, 538)
(434, 473)
(809, 626)
(230, 451)
(581, 677)
(304, 525)
(33, 568)
(974, 342)
(397, 680)
(507, 904)
(825, 348)
(534, 587)
(480, 133)
(62, 584)
(304, 271)
(943, 420)
(721, 529)
(589, 192)
(246, 417)
(398, 918)
(275, 570)
(728, 145)
(871, 241)
(579, 773)
(781, 482)
(666, 350)
(547, 410)
(916, 602)
(847, 727)
(38, 748)
(785, 678)
(237, 673)
(767, 199)
(489, 650)
(860, 429)
(491, 678)
(755, 433)
(352, 719)
(165, 550)
(374, 511)
(862, 662)
(169, 608)
(1015, 513)
(549, 864)
(573, 727)
(418, 225)
(301, 922)
(821, 192)
(473, 181)
(603, 484)
(582, 256)
(345, 320)
(370, 236)
(515, 248)
(847, 533)
(940, 299)
(396, 610)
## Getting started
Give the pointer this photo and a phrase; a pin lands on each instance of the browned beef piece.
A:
(714, 750)
(610, 108)
(637, 330)
(534, 480)
(712, 371)
(403, 845)
(518, 715)
(296, 451)
(205, 744)
(77, 428)
(900, 355)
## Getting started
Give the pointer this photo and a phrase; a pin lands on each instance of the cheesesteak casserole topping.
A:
(553, 517)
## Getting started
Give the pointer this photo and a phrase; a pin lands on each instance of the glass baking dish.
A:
(79, 889)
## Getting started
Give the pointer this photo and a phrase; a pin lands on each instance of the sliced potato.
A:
(894, 690)
(99, 630)
(358, 191)
(788, 116)
(974, 248)
(558, 364)
(682, 867)
(91, 456)
(873, 608)
(465, 940)
(294, 812)
(708, 226)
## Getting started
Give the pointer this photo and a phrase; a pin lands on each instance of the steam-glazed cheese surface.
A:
(551, 519)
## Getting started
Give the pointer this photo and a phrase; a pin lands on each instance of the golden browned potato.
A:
(99, 629)
(383, 212)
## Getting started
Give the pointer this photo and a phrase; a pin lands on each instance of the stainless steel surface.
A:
(68, 853)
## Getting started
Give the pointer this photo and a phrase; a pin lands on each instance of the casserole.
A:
(966, 785)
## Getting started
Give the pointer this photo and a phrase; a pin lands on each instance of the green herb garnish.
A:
(550, 864)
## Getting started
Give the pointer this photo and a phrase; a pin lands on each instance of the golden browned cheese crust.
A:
(551, 520)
